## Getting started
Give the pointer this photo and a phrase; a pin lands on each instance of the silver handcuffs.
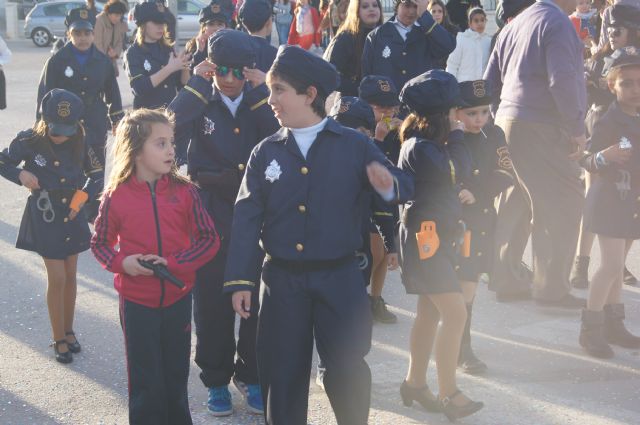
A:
(44, 204)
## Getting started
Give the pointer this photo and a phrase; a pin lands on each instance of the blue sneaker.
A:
(219, 403)
(253, 395)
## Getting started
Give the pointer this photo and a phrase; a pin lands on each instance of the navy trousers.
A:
(331, 305)
(158, 345)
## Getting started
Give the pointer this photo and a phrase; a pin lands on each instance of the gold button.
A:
(165, 86)
(483, 233)
(479, 254)
(304, 170)
(85, 78)
(62, 180)
(404, 53)
(638, 199)
(302, 208)
(66, 219)
(236, 130)
(67, 239)
(457, 268)
(241, 167)
(635, 215)
(476, 172)
(299, 247)
(83, 93)
(64, 200)
(453, 243)
(404, 72)
(56, 163)
(81, 121)
(486, 210)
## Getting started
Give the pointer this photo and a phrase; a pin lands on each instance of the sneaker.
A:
(380, 312)
(252, 394)
(219, 403)
(320, 376)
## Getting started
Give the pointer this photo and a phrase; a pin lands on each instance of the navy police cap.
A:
(80, 19)
(215, 11)
(476, 93)
(432, 92)
(625, 56)
(232, 48)
(354, 113)
(255, 13)
(61, 110)
(148, 12)
(306, 67)
(378, 90)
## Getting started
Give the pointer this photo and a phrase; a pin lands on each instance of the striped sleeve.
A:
(205, 240)
(105, 238)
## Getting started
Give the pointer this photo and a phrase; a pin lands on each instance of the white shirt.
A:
(232, 104)
(402, 30)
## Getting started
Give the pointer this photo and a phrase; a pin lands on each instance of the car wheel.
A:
(41, 37)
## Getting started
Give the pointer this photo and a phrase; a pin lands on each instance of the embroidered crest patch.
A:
(273, 171)
(64, 109)
(209, 126)
(40, 160)
(386, 52)
(68, 72)
(504, 159)
(147, 65)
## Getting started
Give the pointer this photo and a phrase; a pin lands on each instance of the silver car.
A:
(46, 20)
(187, 20)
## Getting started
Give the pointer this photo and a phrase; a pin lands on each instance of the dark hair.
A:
(41, 130)
(633, 39)
(433, 127)
(318, 104)
(446, 21)
(475, 11)
(254, 28)
(115, 7)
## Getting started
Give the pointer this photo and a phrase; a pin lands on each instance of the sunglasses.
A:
(222, 71)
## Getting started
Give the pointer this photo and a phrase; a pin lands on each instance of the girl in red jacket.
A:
(305, 28)
(154, 215)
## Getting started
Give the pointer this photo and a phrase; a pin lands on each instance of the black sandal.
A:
(66, 357)
(454, 412)
(74, 347)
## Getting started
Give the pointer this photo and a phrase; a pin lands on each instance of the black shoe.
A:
(380, 312)
(592, 335)
(568, 301)
(454, 412)
(628, 278)
(507, 297)
(65, 357)
(74, 347)
(468, 362)
(614, 330)
(580, 273)
(422, 395)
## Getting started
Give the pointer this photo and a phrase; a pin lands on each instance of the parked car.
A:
(187, 20)
(46, 20)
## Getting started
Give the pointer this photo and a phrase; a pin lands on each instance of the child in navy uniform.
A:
(302, 198)
(381, 94)
(59, 173)
(612, 209)
(222, 123)
(433, 152)
(153, 214)
(212, 18)
(256, 17)
(491, 175)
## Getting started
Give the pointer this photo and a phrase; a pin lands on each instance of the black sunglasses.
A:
(222, 71)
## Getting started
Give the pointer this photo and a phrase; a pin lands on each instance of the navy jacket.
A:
(304, 209)
(342, 53)
(141, 62)
(265, 53)
(94, 82)
(386, 53)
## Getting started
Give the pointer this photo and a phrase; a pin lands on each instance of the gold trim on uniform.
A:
(432, 27)
(259, 104)
(197, 94)
(135, 76)
(239, 282)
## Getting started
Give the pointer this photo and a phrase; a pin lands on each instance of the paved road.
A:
(538, 375)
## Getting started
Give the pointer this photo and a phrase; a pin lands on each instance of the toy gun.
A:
(161, 272)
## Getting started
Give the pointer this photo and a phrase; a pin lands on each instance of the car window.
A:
(188, 8)
(71, 6)
(59, 9)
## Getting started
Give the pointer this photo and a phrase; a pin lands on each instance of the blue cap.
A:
(378, 90)
(80, 19)
(148, 12)
(255, 13)
(432, 92)
(625, 15)
(232, 48)
(215, 11)
(476, 93)
(61, 110)
(353, 112)
(306, 67)
(626, 56)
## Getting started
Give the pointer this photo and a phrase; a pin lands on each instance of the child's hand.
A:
(241, 301)
(616, 155)
(466, 197)
(454, 122)
(254, 76)
(392, 261)
(382, 129)
(155, 259)
(205, 69)
(73, 213)
(133, 268)
(380, 178)
(29, 180)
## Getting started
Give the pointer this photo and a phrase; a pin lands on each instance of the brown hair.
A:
(164, 41)
(433, 127)
(132, 133)
(41, 130)
(318, 104)
(446, 21)
(115, 7)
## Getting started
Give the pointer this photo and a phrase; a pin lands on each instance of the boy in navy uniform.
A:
(223, 122)
(255, 16)
(302, 198)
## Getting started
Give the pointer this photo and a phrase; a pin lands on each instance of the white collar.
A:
(232, 104)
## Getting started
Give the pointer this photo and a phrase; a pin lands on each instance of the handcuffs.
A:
(44, 204)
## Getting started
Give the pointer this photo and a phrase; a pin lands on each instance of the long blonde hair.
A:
(164, 41)
(132, 133)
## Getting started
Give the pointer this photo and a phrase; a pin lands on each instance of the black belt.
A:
(305, 266)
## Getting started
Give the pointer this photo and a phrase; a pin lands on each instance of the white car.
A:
(187, 19)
